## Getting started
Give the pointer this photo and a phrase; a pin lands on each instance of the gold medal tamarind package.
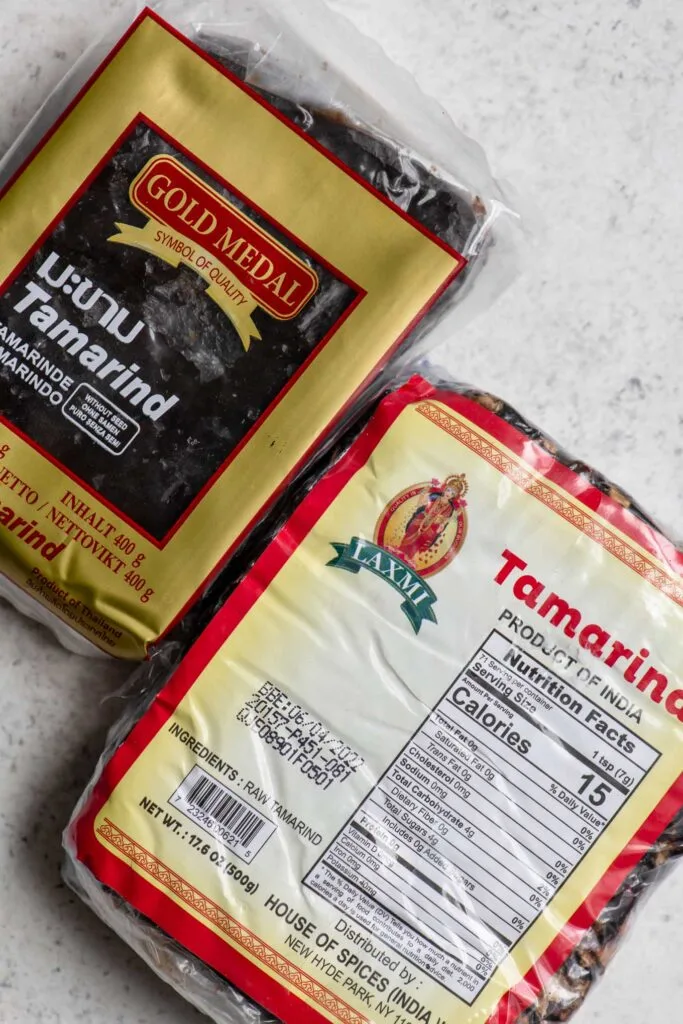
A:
(205, 261)
(425, 759)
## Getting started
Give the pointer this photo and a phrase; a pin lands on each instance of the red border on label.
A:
(198, 938)
(361, 294)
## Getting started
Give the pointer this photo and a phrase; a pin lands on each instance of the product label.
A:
(167, 311)
(403, 816)
(464, 791)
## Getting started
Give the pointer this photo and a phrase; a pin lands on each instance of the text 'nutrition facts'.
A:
(481, 818)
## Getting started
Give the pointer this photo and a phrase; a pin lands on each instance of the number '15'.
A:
(597, 794)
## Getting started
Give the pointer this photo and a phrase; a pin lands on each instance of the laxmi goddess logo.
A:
(191, 223)
(418, 534)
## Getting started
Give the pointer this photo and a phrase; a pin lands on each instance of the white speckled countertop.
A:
(581, 105)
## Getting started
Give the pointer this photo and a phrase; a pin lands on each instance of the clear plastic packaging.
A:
(411, 766)
(336, 214)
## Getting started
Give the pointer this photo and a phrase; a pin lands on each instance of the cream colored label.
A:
(409, 809)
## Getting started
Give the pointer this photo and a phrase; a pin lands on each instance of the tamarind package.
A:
(425, 759)
(213, 241)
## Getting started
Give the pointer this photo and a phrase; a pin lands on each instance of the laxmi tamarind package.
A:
(425, 759)
(210, 247)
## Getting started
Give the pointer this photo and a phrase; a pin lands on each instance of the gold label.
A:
(243, 267)
(177, 330)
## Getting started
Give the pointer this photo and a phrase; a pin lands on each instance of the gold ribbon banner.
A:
(234, 298)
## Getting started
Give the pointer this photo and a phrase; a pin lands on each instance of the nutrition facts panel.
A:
(483, 815)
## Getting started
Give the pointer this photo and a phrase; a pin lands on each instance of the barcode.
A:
(226, 809)
(222, 813)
